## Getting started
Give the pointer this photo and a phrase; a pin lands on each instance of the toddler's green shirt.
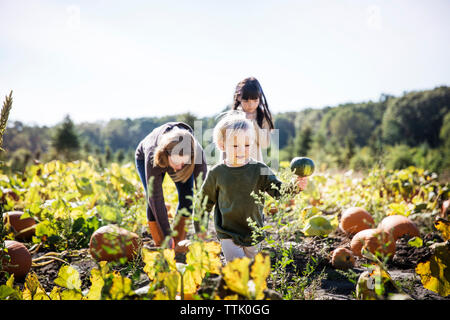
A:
(229, 191)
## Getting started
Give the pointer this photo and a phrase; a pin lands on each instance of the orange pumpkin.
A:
(273, 209)
(111, 242)
(20, 225)
(342, 258)
(398, 226)
(355, 219)
(20, 262)
(373, 240)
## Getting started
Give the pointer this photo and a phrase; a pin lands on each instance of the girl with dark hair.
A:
(249, 98)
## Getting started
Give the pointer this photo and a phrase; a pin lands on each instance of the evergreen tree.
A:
(120, 155)
(65, 141)
(349, 149)
(108, 154)
(302, 142)
(187, 118)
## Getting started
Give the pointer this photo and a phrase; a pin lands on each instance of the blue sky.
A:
(98, 60)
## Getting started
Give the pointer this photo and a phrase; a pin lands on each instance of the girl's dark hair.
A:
(250, 89)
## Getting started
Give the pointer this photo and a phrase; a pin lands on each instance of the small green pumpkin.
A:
(302, 166)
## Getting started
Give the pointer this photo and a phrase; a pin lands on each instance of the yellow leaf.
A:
(435, 273)
(160, 295)
(190, 284)
(155, 262)
(56, 293)
(231, 297)
(71, 294)
(169, 255)
(399, 208)
(97, 283)
(33, 290)
(236, 275)
(443, 226)
(68, 278)
(10, 282)
(201, 258)
(150, 258)
(171, 282)
(121, 287)
(260, 272)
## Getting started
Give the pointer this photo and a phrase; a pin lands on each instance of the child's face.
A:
(237, 148)
(249, 105)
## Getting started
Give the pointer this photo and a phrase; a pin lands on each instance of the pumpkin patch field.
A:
(78, 231)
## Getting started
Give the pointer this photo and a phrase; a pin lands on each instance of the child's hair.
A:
(178, 142)
(250, 89)
(230, 124)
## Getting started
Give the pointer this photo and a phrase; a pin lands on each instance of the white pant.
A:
(231, 250)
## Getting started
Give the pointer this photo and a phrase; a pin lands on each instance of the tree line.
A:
(395, 132)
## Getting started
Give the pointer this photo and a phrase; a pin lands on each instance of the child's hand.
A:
(302, 182)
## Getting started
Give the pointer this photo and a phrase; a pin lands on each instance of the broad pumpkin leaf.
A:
(109, 213)
(160, 295)
(318, 226)
(71, 294)
(260, 272)
(150, 258)
(172, 283)
(56, 293)
(68, 278)
(33, 290)
(121, 287)
(45, 228)
(97, 283)
(169, 255)
(201, 258)
(236, 275)
(161, 267)
(7, 293)
(403, 209)
(443, 226)
(435, 273)
(84, 186)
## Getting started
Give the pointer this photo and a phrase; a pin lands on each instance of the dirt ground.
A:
(332, 284)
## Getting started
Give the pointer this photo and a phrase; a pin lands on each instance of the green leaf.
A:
(78, 224)
(415, 242)
(84, 186)
(318, 226)
(108, 213)
(44, 228)
(420, 206)
(7, 292)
